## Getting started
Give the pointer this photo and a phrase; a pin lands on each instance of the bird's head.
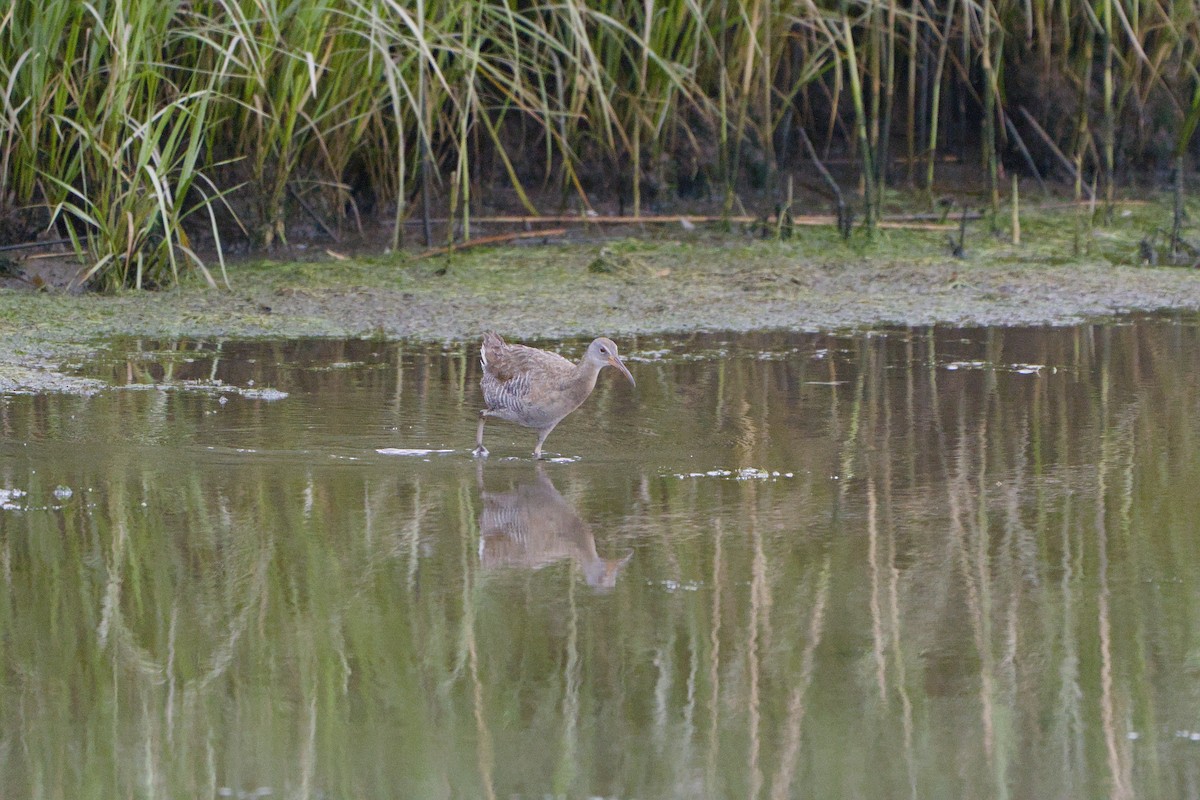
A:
(603, 353)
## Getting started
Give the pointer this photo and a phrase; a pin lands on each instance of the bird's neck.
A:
(586, 372)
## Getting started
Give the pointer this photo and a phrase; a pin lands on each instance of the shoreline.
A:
(614, 287)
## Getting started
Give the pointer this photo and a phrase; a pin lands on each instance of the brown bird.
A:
(535, 388)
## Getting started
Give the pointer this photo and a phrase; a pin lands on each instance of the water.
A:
(904, 564)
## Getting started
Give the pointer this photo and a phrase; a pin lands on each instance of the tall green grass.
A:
(139, 125)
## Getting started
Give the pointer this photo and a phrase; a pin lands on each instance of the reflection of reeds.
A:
(468, 656)
(791, 738)
(714, 663)
(1111, 699)
(1005, 585)
(757, 625)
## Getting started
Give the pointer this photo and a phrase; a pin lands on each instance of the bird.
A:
(535, 388)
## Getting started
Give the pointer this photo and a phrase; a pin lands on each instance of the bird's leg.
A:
(542, 434)
(480, 451)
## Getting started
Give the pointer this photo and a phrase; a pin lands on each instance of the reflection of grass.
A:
(967, 560)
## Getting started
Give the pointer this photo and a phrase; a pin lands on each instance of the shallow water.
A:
(907, 563)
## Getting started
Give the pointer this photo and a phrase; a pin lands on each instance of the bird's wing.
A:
(512, 370)
(511, 360)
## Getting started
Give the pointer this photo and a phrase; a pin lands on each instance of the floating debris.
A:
(8, 498)
(744, 474)
(268, 395)
(669, 356)
(649, 356)
(776, 355)
(242, 794)
(402, 451)
(209, 387)
(1020, 369)
(678, 586)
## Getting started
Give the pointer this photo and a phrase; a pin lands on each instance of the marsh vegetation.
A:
(144, 131)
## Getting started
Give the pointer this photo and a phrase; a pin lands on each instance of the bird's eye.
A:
(603, 350)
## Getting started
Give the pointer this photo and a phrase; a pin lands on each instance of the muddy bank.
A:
(619, 287)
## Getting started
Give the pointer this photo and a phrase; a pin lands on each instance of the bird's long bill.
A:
(616, 362)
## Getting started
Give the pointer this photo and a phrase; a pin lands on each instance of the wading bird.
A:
(535, 388)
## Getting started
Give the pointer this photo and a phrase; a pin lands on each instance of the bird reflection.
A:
(532, 526)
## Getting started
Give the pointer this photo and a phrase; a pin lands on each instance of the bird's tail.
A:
(491, 340)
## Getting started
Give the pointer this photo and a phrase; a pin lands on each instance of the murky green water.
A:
(910, 564)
